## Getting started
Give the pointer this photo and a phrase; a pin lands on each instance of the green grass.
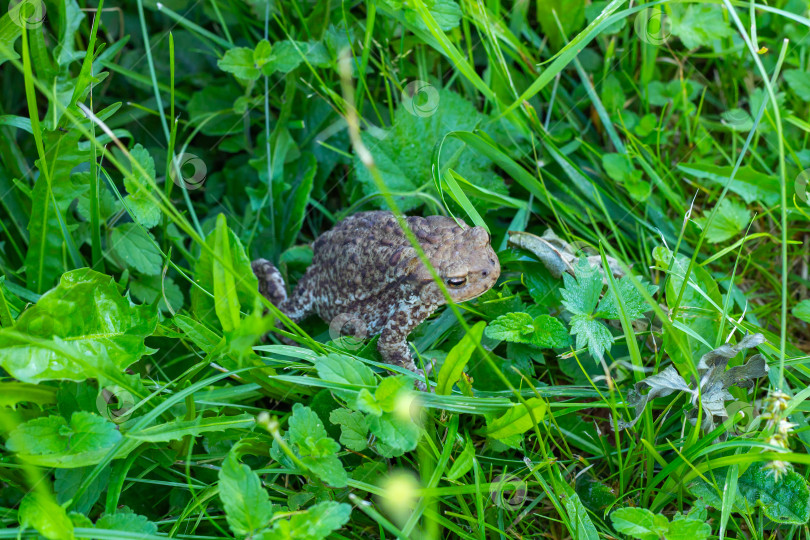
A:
(148, 153)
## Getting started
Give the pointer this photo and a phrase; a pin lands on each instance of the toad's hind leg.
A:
(272, 286)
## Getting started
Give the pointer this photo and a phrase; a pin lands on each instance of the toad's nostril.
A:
(484, 273)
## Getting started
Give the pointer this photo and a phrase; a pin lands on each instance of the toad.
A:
(366, 276)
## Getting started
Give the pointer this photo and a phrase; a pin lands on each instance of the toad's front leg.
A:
(393, 342)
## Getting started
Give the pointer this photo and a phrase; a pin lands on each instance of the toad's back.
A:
(366, 263)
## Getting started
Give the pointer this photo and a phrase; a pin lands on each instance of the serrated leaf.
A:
(136, 248)
(148, 289)
(635, 305)
(581, 293)
(593, 334)
(139, 188)
(515, 327)
(353, 428)
(405, 166)
(240, 62)
(729, 221)
(247, 505)
(316, 449)
(127, 522)
(549, 333)
(699, 24)
(786, 500)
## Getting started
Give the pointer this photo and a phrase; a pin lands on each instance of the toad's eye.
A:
(456, 281)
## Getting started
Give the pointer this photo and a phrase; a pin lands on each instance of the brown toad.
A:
(366, 275)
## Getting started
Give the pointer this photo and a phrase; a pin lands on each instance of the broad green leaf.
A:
(518, 327)
(177, 429)
(67, 482)
(10, 32)
(206, 268)
(127, 522)
(344, 369)
(44, 258)
(316, 523)
(639, 523)
(315, 448)
(799, 82)
(555, 14)
(139, 201)
(353, 428)
(51, 441)
(366, 402)
(619, 168)
(549, 333)
(696, 312)
(262, 53)
(802, 311)
(730, 220)
(84, 317)
(457, 359)
(786, 500)
(517, 419)
(247, 505)
(688, 529)
(136, 248)
(390, 390)
(240, 62)
(398, 434)
(748, 183)
(699, 24)
(41, 513)
(287, 55)
(405, 166)
(226, 301)
(446, 13)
